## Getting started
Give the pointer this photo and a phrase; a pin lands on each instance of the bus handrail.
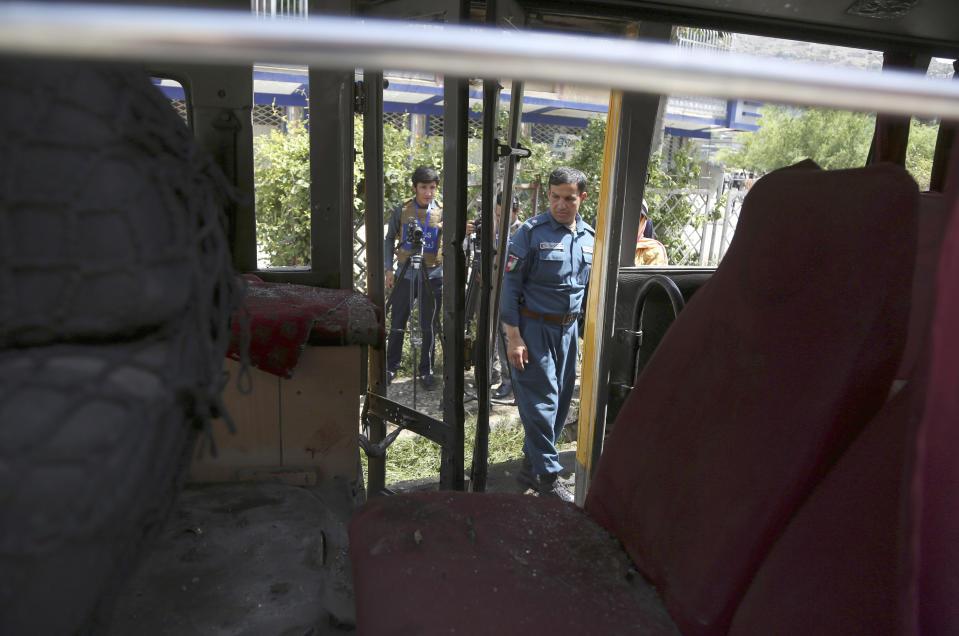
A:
(236, 37)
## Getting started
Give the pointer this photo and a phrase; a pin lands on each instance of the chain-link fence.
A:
(695, 226)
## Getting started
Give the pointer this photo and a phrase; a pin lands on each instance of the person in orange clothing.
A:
(649, 251)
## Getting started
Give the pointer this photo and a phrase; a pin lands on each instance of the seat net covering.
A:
(116, 290)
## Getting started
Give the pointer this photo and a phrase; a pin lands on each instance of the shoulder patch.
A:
(512, 263)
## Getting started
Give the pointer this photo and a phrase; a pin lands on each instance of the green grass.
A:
(415, 457)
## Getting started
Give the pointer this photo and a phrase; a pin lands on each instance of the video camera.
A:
(414, 233)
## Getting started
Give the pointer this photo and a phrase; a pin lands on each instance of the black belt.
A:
(563, 319)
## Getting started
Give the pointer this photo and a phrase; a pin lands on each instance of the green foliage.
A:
(282, 184)
(282, 177)
(402, 153)
(920, 152)
(669, 207)
(588, 157)
(834, 139)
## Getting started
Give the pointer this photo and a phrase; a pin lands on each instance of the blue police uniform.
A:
(544, 288)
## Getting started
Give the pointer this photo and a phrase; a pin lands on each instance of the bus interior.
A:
(765, 441)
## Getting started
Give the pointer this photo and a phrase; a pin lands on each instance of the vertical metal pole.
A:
(631, 131)
(455, 129)
(515, 115)
(375, 258)
(331, 177)
(491, 94)
(331, 171)
(221, 103)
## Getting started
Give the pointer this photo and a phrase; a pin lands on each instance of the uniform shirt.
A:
(547, 268)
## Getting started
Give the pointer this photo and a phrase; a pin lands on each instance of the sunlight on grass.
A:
(415, 457)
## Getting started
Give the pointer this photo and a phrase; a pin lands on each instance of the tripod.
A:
(473, 290)
(419, 289)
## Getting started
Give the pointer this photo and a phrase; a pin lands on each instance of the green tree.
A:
(281, 177)
(920, 152)
(588, 157)
(670, 208)
(834, 139)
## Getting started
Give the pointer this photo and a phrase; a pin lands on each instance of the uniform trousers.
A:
(544, 389)
(429, 311)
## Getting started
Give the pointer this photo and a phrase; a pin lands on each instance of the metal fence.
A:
(695, 226)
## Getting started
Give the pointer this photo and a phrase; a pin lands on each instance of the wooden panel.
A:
(319, 410)
(257, 439)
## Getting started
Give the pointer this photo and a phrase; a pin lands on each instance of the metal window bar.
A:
(218, 36)
(273, 9)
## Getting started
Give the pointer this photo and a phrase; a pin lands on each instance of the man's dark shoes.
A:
(428, 382)
(389, 377)
(503, 391)
(547, 486)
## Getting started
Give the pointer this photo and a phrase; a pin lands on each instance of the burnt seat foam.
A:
(764, 379)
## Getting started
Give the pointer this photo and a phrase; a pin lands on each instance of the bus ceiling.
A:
(335, 43)
(930, 26)
(926, 26)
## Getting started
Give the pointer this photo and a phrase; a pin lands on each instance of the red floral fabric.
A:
(283, 318)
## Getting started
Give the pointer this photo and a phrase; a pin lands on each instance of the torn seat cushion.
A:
(284, 318)
(445, 562)
(763, 380)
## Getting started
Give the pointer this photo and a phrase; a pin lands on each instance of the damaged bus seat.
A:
(774, 368)
(295, 408)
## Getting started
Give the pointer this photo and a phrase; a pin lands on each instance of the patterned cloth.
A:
(283, 318)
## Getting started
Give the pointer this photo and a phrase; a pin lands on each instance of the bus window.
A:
(281, 159)
(175, 92)
(713, 150)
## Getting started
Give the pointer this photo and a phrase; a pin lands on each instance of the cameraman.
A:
(419, 217)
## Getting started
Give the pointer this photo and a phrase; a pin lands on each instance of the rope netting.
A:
(116, 290)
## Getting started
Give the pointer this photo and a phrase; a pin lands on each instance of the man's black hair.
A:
(565, 174)
(499, 200)
(426, 174)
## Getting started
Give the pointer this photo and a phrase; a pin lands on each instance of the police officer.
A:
(544, 289)
(422, 210)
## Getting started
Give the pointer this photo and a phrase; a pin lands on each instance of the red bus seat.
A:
(836, 570)
(933, 215)
(875, 549)
(933, 546)
(773, 368)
